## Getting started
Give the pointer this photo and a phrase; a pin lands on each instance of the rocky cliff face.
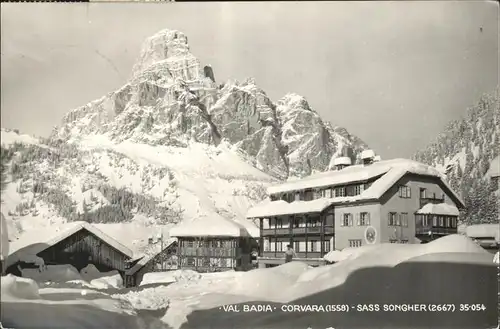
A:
(465, 151)
(172, 99)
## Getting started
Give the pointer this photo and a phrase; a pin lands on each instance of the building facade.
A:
(213, 245)
(396, 201)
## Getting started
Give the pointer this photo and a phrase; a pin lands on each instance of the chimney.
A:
(342, 162)
(368, 157)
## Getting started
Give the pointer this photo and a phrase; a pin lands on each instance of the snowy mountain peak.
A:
(168, 46)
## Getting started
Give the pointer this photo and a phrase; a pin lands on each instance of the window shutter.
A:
(341, 219)
(358, 222)
(367, 218)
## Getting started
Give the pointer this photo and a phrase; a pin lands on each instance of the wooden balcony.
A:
(314, 230)
(300, 255)
(424, 201)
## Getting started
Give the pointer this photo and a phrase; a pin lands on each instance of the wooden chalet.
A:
(396, 201)
(213, 245)
(164, 260)
(78, 244)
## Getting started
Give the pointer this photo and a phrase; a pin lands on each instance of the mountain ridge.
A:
(465, 151)
(169, 145)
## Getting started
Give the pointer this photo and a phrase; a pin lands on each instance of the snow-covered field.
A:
(178, 294)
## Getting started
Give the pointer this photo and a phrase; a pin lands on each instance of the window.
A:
(447, 223)
(355, 243)
(314, 221)
(272, 244)
(454, 222)
(273, 197)
(190, 261)
(339, 191)
(279, 246)
(312, 245)
(404, 192)
(425, 220)
(297, 196)
(393, 219)
(279, 222)
(423, 193)
(357, 189)
(308, 196)
(296, 246)
(326, 245)
(328, 193)
(434, 221)
(347, 220)
(404, 219)
(267, 245)
(364, 219)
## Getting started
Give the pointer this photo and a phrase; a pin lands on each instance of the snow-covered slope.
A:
(466, 151)
(171, 144)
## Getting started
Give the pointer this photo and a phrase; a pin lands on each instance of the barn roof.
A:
(209, 227)
(31, 244)
(144, 260)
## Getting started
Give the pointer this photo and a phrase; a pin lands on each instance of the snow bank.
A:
(14, 288)
(52, 273)
(109, 281)
(293, 280)
(101, 280)
(170, 277)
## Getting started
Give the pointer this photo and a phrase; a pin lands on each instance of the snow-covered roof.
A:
(269, 208)
(205, 227)
(144, 260)
(346, 161)
(484, 231)
(30, 245)
(439, 209)
(367, 154)
(388, 171)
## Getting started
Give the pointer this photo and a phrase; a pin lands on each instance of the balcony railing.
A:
(313, 230)
(424, 201)
(425, 230)
(301, 254)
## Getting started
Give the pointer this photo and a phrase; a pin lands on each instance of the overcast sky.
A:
(392, 73)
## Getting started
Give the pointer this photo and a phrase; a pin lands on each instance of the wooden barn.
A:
(78, 244)
(214, 245)
(164, 260)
